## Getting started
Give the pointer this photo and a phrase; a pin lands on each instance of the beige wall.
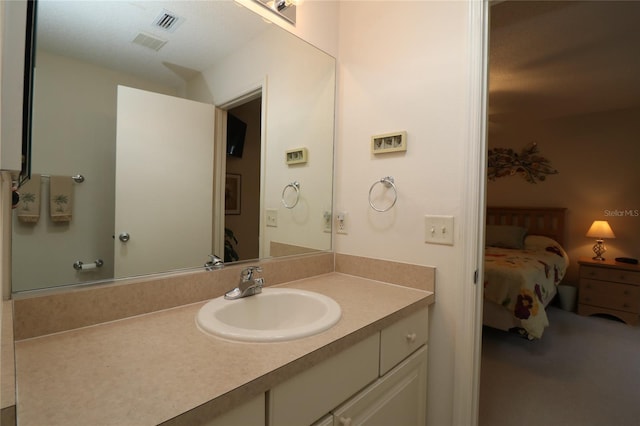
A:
(597, 159)
(405, 66)
(299, 87)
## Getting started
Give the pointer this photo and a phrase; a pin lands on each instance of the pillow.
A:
(505, 236)
(539, 242)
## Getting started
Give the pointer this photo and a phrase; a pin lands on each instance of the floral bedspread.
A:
(524, 281)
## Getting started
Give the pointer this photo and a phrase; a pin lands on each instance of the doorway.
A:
(537, 96)
(242, 181)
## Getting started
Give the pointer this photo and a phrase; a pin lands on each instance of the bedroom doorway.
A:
(538, 95)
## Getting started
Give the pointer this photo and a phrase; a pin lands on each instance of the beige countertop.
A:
(151, 368)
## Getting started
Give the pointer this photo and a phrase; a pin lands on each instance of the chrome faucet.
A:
(249, 285)
(214, 263)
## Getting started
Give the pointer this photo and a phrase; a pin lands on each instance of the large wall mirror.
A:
(195, 125)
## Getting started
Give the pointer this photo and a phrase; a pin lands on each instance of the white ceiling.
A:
(558, 58)
(101, 32)
(547, 58)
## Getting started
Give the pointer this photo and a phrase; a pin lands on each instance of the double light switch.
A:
(438, 229)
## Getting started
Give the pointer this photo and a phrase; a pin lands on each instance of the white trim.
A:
(466, 390)
(219, 173)
(252, 92)
(263, 166)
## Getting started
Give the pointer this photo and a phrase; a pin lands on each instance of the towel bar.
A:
(76, 178)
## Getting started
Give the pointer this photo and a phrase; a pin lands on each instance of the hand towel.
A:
(29, 206)
(61, 201)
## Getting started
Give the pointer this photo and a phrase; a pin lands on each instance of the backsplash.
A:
(404, 274)
(42, 314)
(84, 306)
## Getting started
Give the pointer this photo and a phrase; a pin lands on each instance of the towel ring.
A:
(296, 187)
(388, 182)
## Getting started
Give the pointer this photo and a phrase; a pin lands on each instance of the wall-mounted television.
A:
(236, 131)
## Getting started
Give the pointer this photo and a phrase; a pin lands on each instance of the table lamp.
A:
(599, 230)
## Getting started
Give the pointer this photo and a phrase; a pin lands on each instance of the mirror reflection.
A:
(179, 116)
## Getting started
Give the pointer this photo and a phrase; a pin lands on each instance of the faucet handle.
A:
(247, 273)
(215, 262)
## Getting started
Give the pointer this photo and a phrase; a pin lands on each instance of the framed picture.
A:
(232, 187)
(297, 156)
(389, 142)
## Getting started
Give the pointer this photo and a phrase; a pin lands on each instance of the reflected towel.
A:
(61, 201)
(29, 207)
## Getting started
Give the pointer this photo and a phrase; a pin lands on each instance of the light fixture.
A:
(599, 230)
(280, 5)
(284, 8)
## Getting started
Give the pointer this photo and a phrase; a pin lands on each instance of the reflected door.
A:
(164, 183)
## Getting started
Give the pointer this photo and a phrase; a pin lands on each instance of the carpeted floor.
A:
(584, 371)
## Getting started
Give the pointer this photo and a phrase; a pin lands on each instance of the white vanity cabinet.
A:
(309, 395)
(250, 413)
(397, 398)
(379, 381)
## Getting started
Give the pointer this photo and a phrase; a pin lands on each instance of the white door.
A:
(164, 183)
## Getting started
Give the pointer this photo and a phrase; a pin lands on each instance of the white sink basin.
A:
(275, 315)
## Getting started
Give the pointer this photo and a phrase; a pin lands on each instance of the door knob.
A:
(124, 237)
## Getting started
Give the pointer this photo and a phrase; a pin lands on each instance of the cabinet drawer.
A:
(606, 274)
(399, 340)
(622, 297)
(308, 396)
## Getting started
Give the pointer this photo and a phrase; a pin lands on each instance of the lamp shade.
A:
(600, 229)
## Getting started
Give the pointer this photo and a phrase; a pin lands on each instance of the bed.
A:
(524, 263)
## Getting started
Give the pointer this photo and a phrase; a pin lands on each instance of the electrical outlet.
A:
(272, 218)
(326, 221)
(438, 230)
(341, 223)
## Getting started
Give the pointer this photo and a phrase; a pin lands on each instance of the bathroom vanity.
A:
(158, 368)
(380, 380)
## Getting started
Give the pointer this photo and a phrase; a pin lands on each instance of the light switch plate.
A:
(438, 229)
(272, 218)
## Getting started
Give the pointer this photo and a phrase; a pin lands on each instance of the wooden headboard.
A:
(547, 221)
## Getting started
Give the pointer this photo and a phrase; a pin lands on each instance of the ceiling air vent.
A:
(167, 21)
(149, 41)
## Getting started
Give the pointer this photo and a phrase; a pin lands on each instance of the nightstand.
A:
(609, 287)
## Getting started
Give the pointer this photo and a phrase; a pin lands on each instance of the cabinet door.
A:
(398, 398)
